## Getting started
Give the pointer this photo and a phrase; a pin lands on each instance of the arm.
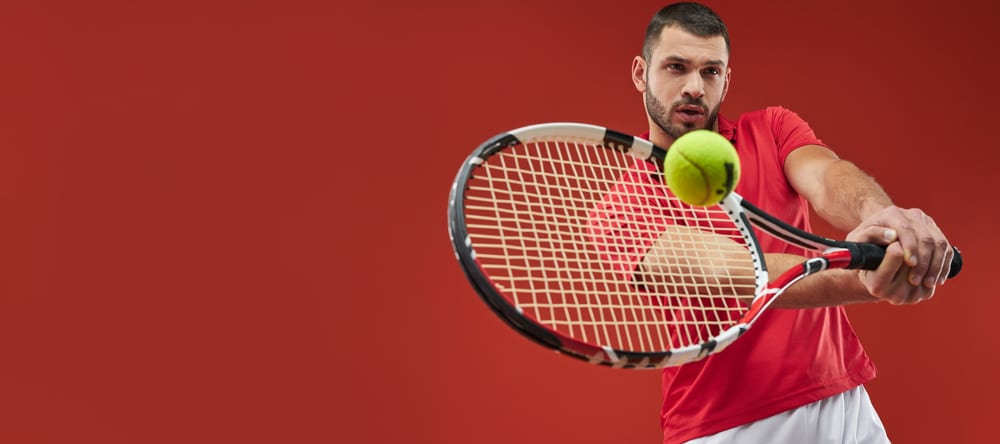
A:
(918, 255)
(829, 288)
(691, 273)
(840, 193)
(693, 262)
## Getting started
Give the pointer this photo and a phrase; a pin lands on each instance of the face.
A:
(683, 83)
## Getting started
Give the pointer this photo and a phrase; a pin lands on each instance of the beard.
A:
(661, 115)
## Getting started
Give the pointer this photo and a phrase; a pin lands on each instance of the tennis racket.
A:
(556, 224)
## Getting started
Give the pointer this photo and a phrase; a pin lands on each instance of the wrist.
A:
(872, 206)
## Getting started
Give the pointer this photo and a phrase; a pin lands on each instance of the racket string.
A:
(552, 223)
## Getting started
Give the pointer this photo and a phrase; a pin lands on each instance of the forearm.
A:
(848, 195)
(828, 288)
(844, 196)
(731, 269)
(917, 251)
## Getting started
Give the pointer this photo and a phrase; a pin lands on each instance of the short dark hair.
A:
(695, 18)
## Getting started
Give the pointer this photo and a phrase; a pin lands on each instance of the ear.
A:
(639, 74)
(725, 88)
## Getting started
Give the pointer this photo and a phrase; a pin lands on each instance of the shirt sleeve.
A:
(790, 131)
(626, 222)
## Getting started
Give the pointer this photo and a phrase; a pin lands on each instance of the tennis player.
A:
(801, 379)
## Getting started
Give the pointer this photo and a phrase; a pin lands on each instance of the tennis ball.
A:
(701, 167)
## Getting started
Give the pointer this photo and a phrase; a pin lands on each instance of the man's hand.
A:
(918, 256)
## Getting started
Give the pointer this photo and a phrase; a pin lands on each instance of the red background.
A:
(225, 221)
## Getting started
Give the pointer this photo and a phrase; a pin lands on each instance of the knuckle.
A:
(928, 240)
(905, 225)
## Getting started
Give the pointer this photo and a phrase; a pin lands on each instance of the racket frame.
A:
(596, 354)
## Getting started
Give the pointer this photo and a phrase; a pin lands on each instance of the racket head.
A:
(524, 218)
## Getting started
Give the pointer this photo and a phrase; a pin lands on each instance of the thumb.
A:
(873, 234)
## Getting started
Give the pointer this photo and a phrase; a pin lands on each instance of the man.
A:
(797, 377)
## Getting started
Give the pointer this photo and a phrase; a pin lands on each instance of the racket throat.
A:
(780, 284)
(814, 265)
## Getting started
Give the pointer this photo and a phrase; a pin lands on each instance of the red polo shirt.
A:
(791, 357)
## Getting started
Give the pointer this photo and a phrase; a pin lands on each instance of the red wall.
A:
(225, 221)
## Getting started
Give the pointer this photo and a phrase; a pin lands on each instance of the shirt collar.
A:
(727, 129)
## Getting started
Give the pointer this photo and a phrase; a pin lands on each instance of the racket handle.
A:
(868, 256)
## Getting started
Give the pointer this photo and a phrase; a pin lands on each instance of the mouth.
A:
(690, 113)
(690, 110)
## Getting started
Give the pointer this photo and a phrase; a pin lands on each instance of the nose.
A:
(694, 86)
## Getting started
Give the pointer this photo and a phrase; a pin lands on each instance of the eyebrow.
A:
(679, 59)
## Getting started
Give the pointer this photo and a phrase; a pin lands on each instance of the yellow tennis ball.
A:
(701, 168)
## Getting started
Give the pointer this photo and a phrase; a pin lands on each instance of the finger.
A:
(931, 251)
(946, 269)
(908, 241)
(913, 295)
(942, 256)
(906, 224)
(873, 234)
(884, 281)
(901, 292)
(891, 282)
(937, 265)
(922, 260)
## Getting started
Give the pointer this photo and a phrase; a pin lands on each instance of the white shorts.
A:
(845, 418)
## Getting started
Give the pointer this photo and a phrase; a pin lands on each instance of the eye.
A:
(675, 67)
(712, 71)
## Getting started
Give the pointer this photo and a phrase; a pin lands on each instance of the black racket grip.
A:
(868, 256)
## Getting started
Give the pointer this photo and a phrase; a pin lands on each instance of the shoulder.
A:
(774, 129)
(784, 124)
(772, 119)
(769, 114)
